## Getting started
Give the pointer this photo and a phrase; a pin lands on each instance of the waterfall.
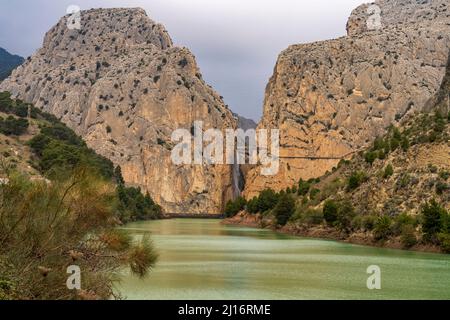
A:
(236, 180)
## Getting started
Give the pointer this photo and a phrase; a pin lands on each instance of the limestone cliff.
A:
(332, 98)
(120, 83)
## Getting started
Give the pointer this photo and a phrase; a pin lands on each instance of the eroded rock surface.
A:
(332, 98)
(121, 84)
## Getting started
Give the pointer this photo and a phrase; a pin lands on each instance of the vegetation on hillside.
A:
(378, 194)
(67, 217)
(58, 148)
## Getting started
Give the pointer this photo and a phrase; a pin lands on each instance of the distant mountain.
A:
(245, 124)
(8, 62)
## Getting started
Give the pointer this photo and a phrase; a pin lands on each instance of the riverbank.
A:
(205, 259)
(245, 219)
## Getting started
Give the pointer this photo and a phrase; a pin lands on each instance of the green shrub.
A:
(394, 143)
(441, 187)
(284, 209)
(12, 126)
(402, 220)
(133, 205)
(379, 144)
(357, 223)
(355, 180)
(368, 222)
(303, 187)
(403, 181)
(370, 156)
(408, 236)
(345, 215)
(445, 221)
(313, 193)
(59, 146)
(432, 220)
(71, 220)
(63, 133)
(234, 207)
(382, 229)
(7, 290)
(311, 217)
(330, 212)
(267, 200)
(58, 154)
(444, 175)
(444, 240)
(388, 171)
(404, 144)
(13, 107)
(118, 176)
(252, 206)
(396, 133)
(432, 168)
(21, 110)
(381, 155)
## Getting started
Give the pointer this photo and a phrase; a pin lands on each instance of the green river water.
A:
(203, 259)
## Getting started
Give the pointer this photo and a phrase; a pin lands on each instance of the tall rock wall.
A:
(331, 98)
(120, 83)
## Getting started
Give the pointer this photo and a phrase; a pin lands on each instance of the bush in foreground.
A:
(45, 227)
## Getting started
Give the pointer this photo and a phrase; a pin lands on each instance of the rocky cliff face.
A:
(121, 84)
(331, 98)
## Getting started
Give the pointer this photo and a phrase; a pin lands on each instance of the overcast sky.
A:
(236, 42)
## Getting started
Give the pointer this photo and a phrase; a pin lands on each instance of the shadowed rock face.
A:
(121, 84)
(442, 99)
(332, 98)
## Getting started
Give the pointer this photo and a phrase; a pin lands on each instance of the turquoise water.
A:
(203, 259)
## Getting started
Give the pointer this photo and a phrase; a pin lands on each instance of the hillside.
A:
(332, 98)
(372, 196)
(8, 62)
(37, 145)
(60, 204)
(395, 193)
